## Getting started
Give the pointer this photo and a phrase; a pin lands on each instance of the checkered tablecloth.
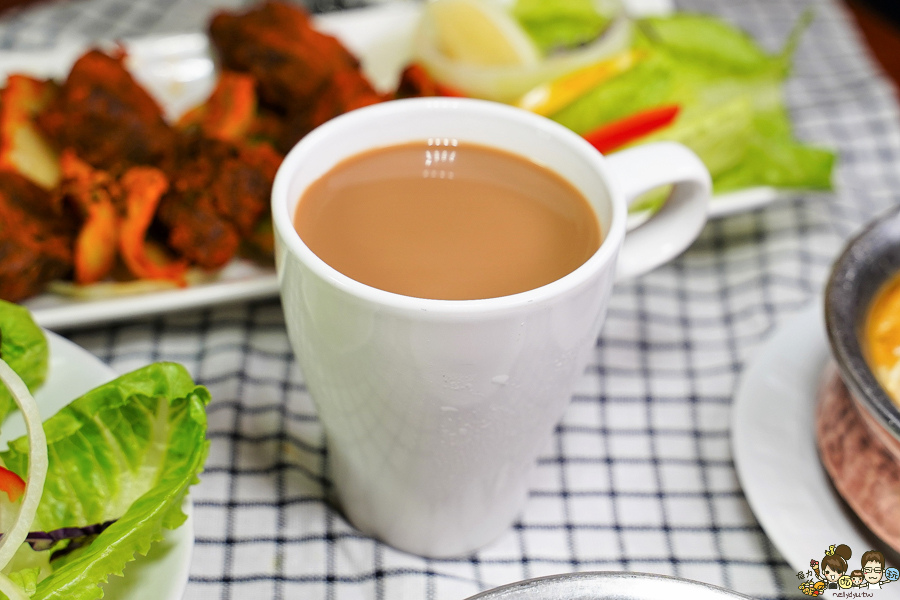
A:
(639, 475)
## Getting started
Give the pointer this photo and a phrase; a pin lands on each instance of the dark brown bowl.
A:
(869, 261)
(864, 471)
(857, 422)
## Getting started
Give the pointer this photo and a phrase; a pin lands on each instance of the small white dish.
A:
(774, 447)
(163, 573)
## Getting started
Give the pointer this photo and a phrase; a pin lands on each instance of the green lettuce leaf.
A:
(559, 24)
(26, 579)
(707, 41)
(730, 94)
(27, 568)
(127, 450)
(773, 157)
(24, 347)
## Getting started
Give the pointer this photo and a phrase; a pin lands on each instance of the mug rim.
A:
(346, 123)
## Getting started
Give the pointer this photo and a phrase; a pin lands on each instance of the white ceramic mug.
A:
(434, 410)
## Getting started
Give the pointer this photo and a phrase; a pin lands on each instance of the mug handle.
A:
(678, 223)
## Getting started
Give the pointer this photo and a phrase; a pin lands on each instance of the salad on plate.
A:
(97, 482)
(684, 77)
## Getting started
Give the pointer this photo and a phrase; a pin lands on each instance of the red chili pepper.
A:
(12, 484)
(618, 133)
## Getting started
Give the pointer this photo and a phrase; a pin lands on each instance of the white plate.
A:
(179, 72)
(163, 573)
(741, 201)
(772, 436)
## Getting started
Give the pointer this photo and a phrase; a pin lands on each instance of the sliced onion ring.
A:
(12, 591)
(37, 466)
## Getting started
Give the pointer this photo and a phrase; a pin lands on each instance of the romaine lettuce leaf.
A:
(705, 40)
(27, 568)
(773, 157)
(127, 450)
(559, 24)
(24, 347)
(26, 579)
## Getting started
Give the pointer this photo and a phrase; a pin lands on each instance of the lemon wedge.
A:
(480, 33)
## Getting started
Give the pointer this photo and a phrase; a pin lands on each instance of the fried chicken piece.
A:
(345, 90)
(260, 243)
(114, 216)
(307, 76)
(268, 126)
(219, 192)
(263, 158)
(276, 43)
(197, 232)
(36, 238)
(107, 118)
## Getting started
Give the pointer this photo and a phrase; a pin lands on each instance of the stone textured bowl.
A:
(870, 260)
(864, 471)
(608, 585)
(857, 423)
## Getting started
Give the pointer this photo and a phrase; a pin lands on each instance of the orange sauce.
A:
(883, 335)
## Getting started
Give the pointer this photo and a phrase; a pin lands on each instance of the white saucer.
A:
(775, 453)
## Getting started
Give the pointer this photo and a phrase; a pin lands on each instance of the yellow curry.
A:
(883, 337)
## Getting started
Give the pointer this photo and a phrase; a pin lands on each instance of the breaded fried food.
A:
(36, 238)
(276, 43)
(115, 216)
(346, 90)
(306, 76)
(218, 194)
(107, 118)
